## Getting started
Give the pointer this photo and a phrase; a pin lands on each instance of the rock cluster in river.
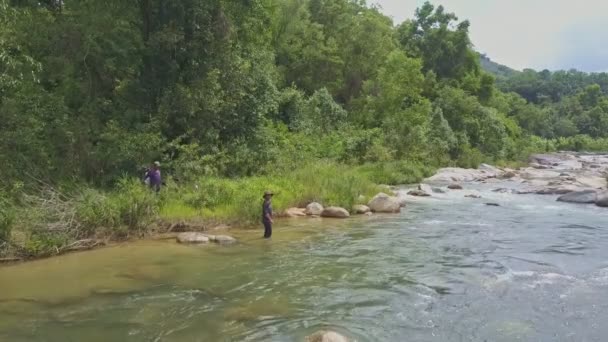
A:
(577, 178)
(201, 238)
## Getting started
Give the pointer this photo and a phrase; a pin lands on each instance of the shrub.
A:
(7, 217)
(135, 204)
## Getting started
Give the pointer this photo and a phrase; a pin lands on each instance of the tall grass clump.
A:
(397, 172)
(7, 217)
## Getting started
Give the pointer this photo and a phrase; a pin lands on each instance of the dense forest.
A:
(92, 91)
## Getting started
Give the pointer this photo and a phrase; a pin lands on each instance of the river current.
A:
(448, 268)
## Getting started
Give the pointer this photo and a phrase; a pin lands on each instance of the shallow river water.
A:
(447, 268)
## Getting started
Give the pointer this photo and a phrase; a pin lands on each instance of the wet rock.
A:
(314, 208)
(508, 174)
(439, 191)
(419, 193)
(472, 196)
(326, 336)
(223, 239)
(335, 212)
(602, 199)
(503, 190)
(383, 203)
(493, 204)
(455, 186)
(585, 196)
(192, 237)
(361, 209)
(454, 174)
(538, 166)
(538, 174)
(560, 190)
(425, 187)
(295, 212)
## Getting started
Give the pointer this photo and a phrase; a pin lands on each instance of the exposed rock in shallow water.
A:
(425, 187)
(383, 203)
(418, 193)
(335, 212)
(192, 237)
(585, 196)
(439, 191)
(361, 209)
(493, 204)
(223, 239)
(326, 336)
(472, 196)
(314, 208)
(295, 212)
(602, 199)
(455, 187)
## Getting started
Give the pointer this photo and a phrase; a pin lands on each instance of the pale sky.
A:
(538, 34)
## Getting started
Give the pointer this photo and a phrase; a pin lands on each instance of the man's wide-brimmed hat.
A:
(268, 193)
(157, 164)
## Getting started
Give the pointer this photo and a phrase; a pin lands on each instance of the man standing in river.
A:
(267, 214)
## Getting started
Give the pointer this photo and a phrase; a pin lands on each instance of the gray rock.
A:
(295, 212)
(223, 239)
(439, 191)
(425, 187)
(335, 212)
(383, 203)
(602, 199)
(192, 237)
(493, 204)
(314, 208)
(419, 193)
(455, 186)
(361, 209)
(585, 196)
(472, 196)
(326, 336)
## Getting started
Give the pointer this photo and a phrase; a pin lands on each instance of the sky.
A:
(537, 34)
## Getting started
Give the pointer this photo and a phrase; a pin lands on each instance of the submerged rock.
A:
(326, 336)
(455, 186)
(383, 203)
(314, 208)
(335, 212)
(192, 237)
(493, 204)
(419, 193)
(361, 209)
(585, 196)
(439, 191)
(472, 196)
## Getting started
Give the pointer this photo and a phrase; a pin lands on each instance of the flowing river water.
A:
(447, 268)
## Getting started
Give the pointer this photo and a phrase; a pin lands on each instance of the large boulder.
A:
(295, 212)
(361, 209)
(314, 208)
(383, 203)
(192, 237)
(602, 199)
(584, 196)
(335, 212)
(326, 336)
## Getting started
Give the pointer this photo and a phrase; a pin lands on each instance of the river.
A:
(447, 268)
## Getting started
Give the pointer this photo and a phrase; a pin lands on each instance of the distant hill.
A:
(494, 68)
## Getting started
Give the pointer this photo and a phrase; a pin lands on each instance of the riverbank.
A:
(55, 221)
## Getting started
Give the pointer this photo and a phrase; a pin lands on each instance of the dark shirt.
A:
(154, 176)
(266, 211)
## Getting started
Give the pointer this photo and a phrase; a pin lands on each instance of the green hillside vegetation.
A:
(318, 99)
(496, 69)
